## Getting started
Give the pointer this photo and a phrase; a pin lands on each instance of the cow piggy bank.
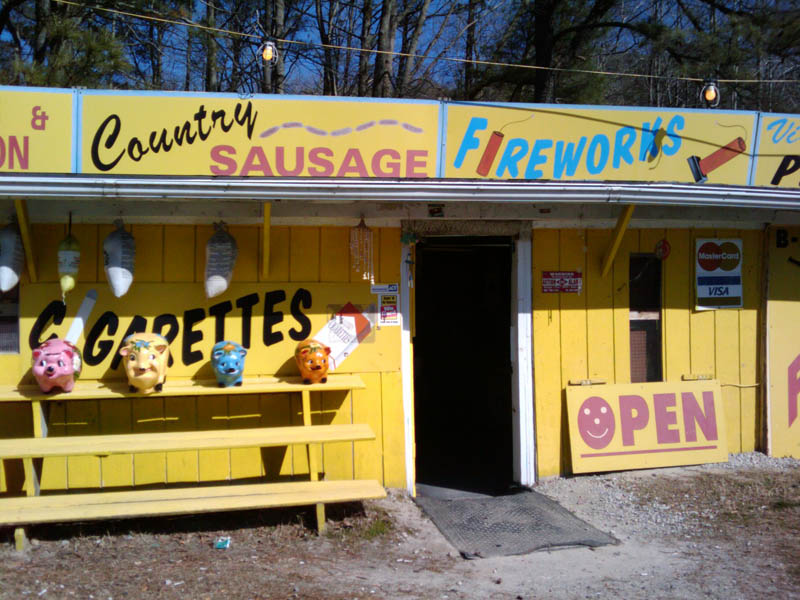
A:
(56, 364)
(312, 360)
(146, 356)
(227, 360)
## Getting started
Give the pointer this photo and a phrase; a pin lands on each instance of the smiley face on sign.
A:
(596, 422)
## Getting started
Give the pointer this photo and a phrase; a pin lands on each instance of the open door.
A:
(462, 366)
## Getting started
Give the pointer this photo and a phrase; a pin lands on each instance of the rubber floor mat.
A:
(480, 527)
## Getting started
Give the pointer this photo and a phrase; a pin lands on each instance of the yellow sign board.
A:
(783, 348)
(645, 425)
(778, 160)
(574, 144)
(232, 136)
(268, 319)
(35, 131)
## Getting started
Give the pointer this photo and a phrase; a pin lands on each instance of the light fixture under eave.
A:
(710, 94)
(269, 52)
(361, 253)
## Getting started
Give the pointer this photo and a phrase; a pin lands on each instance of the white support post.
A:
(407, 365)
(522, 361)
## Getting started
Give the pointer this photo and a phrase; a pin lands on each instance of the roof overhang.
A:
(392, 190)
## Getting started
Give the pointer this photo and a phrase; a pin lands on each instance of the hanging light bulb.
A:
(269, 52)
(361, 253)
(710, 94)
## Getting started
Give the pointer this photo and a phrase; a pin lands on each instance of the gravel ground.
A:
(727, 531)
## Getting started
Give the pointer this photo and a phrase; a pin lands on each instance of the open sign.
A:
(645, 425)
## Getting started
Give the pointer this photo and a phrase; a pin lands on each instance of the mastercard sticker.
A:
(718, 271)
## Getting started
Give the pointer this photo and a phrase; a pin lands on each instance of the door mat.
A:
(484, 526)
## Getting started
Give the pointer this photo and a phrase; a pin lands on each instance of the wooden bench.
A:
(37, 508)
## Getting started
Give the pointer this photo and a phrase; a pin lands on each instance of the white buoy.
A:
(221, 252)
(119, 254)
(11, 257)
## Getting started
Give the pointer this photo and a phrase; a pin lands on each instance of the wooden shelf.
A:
(97, 390)
(118, 505)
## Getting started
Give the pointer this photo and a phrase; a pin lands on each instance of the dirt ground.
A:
(692, 532)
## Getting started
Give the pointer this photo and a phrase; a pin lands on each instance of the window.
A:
(645, 317)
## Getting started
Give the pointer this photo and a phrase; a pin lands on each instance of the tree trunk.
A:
(544, 43)
(382, 82)
(212, 73)
(42, 28)
(366, 43)
(469, 49)
(404, 76)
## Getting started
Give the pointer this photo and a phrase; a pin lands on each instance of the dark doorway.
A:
(645, 317)
(462, 366)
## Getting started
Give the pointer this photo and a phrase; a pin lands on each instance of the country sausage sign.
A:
(645, 425)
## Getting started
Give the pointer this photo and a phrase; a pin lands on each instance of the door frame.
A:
(520, 349)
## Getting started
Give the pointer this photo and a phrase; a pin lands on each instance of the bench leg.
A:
(313, 467)
(20, 539)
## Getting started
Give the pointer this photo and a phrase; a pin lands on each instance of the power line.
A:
(260, 38)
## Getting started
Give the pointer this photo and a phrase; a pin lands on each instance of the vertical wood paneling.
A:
(389, 255)
(212, 413)
(334, 254)
(600, 316)
(572, 250)
(180, 414)
(546, 355)
(337, 408)
(678, 298)
(304, 254)
(622, 307)
(278, 254)
(15, 421)
(54, 470)
(702, 347)
(276, 412)
(149, 252)
(648, 238)
(749, 371)
(245, 412)
(115, 418)
(87, 239)
(148, 416)
(367, 409)
(82, 419)
(179, 254)
(247, 265)
(394, 464)
(45, 242)
(726, 369)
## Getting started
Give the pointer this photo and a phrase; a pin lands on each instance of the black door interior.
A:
(462, 367)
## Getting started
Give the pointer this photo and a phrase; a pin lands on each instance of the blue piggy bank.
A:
(227, 360)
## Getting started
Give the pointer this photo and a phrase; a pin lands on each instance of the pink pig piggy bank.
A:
(56, 363)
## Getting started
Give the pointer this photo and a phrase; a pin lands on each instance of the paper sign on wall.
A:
(718, 273)
(343, 333)
(562, 281)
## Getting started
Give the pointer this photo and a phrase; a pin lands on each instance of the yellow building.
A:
(516, 251)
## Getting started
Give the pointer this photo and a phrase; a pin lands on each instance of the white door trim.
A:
(407, 364)
(522, 360)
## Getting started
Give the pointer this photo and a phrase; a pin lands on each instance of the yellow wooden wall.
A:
(586, 336)
(176, 253)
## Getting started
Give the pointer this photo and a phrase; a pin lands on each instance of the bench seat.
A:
(29, 510)
(136, 443)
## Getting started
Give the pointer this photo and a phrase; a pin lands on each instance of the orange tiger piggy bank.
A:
(312, 360)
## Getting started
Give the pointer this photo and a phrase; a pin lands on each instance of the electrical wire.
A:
(410, 55)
